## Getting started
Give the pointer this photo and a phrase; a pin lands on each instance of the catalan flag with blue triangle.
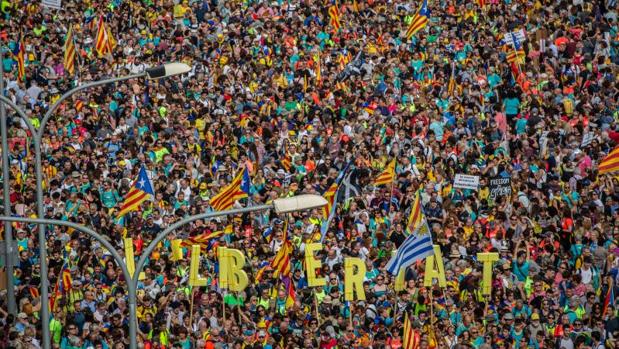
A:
(420, 20)
(141, 191)
(238, 189)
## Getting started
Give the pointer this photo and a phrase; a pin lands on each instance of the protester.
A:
(274, 89)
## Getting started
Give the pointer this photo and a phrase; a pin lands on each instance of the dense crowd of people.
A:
(275, 89)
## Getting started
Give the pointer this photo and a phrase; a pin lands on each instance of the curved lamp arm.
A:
(162, 71)
(72, 91)
(83, 229)
(20, 112)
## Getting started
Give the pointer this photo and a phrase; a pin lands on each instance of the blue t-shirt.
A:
(437, 128)
(521, 271)
(521, 126)
(511, 106)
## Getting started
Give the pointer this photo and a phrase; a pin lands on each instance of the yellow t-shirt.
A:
(179, 10)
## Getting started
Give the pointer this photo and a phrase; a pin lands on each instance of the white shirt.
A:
(587, 275)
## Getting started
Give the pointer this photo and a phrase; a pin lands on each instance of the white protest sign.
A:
(587, 139)
(56, 4)
(466, 181)
(518, 34)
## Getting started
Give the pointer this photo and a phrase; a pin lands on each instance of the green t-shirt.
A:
(55, 328)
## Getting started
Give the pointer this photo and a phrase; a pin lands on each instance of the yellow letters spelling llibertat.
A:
(233, 277)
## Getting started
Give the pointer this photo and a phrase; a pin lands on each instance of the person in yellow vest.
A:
(160, 335)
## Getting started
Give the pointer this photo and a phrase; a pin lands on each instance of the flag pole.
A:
(432, 301)
(316, 305)
(517, 58)
(193, 289)
(432, 304)
(238, 306)
(392, 184)
(223, 304)
(350, 314)
(78, 56)
(395, 304)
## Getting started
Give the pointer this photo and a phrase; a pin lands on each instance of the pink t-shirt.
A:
(501, 122)
(584, 164)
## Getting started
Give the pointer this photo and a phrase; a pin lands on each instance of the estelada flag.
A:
(334, 13)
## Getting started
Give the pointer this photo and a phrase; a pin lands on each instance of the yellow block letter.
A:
(130, 258)
(237, 277)
(177, 251)
(194, 278)
(354, 281)
(231, 274)
(487, 259)
(222, 256)
(311, 264)
(432, 273)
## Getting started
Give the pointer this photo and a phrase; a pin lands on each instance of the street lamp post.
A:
(165, 70)
(8, 238)
(6, 186)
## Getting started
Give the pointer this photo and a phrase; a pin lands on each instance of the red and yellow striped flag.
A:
(610, 163)
(334, 14)
(236, 190)
(411, 338)
(291, 296)
(111, 41)
(69, 52)
(344, 59)
(67, 281)
(19, 54)
(281, 261)
(341, 86)
(102, 44)
(79, 105)
(414, 219)
(420, 20)
(54, 295)
(286, 162)
(451, 87)
(204, 239)
(329, 195)
(387, 176)
(516, 56)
